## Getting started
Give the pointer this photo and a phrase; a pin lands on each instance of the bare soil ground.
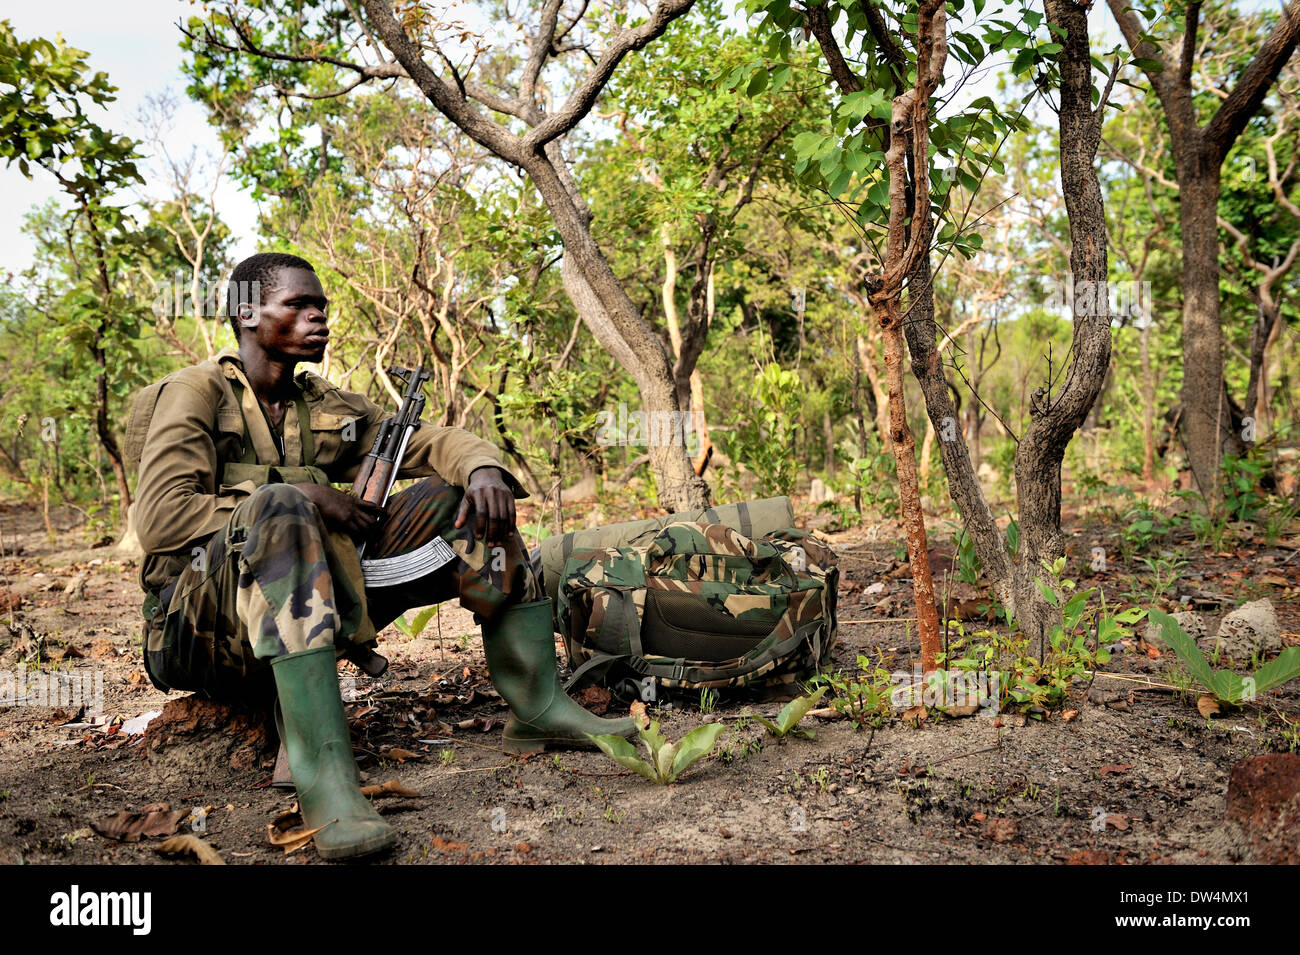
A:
(1141, 783)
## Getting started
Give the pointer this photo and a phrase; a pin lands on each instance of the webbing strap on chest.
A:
(249, 455)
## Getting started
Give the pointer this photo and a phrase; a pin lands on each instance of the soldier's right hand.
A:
(344, 512)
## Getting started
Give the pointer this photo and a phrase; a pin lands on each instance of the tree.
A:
(706, 151)
(1200, 149)
(308, 52)
(969, 139)
(45, 88)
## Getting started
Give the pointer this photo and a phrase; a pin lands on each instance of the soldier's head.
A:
(276, 303)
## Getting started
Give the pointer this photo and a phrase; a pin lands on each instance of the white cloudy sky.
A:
(136, 44)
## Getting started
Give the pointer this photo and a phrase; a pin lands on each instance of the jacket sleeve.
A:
(453, 453)
(176, 502)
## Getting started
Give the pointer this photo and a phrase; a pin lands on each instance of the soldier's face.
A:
(290, 323)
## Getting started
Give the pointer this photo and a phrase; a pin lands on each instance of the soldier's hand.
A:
(344, 512)
(492, 503)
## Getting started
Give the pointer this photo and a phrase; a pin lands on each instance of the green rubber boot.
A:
(520, 648)
(314, 731)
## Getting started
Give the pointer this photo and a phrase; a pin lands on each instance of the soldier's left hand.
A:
(493, 505)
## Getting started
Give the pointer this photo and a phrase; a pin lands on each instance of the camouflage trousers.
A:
(275, 580)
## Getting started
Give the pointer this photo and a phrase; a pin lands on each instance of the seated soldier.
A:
(252, 563)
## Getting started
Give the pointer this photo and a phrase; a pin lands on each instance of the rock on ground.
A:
(1264, 800)
(1251, 628)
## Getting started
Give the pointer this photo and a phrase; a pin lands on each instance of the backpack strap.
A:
(763, 654)
(250, 455)
(304, 432)
(596, 670)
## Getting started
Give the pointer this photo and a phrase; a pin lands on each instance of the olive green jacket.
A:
(196, 425)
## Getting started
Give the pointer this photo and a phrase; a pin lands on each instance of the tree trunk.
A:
(693, 397)
(903, 445)
(1199, 151)
(963, 485)
(1263, 334)
(596, 292)
(907, 245)
(1206, 421)
(605, 308)
(828, 436)
(1055, 419)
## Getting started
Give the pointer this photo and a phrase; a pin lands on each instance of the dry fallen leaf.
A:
(1115, 820)
(390, 787)
(915, 715)
(179, 845)
(156, 820)
(1119, 768)
(1069, 715)
(1001, 830)
(1275, 580)
(1207, 706)
(594, 698)
(291, 840)
(447, 845)
(638, 713)
(399, 754)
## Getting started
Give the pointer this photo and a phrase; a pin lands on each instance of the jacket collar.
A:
(231, 364)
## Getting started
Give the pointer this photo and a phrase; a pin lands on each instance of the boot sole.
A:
(549, 742)
(356, 850)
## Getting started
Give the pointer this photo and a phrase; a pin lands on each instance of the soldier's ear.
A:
(247, 315)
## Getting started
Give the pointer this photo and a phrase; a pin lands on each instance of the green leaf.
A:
(625, 754)
(664, 761)
(768, 724)
(652, 737)
(840, 183)
(422, 620)
(796, 709)
(878, 194)
(698, 742)
(1184, 647)
(1285, 666)
(806, 144)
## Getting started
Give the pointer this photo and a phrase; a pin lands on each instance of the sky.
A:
(135, 43)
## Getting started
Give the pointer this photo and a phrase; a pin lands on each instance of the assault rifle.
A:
(379, 470)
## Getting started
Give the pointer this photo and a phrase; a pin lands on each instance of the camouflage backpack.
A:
(697, 605)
